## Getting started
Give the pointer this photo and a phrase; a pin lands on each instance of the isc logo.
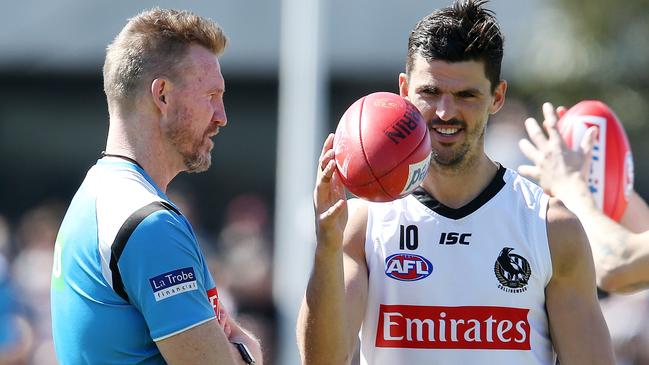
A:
(451, 238)
(406, 267)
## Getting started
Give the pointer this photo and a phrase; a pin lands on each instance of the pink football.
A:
(382, 147)
(610, 179)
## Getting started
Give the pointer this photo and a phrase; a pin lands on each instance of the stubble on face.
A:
(179, 132)
(467, 84)
(457, 158)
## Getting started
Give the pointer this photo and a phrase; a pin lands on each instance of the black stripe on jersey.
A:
(123, 236)
(496, 184)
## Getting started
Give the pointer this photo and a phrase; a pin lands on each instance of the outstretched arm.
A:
(621, 253)
(571, 298)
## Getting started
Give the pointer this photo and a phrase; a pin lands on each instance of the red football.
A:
(382, 147)
(610, 178)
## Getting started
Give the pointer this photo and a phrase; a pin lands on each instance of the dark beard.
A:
(458, 159)
(455, 160)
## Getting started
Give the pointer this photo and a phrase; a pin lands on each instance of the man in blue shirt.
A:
(130, 284)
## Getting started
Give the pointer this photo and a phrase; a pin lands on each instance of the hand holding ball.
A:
(382, 147)
(610, 178)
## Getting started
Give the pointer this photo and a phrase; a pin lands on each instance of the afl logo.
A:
(512, 271)
(407, 267)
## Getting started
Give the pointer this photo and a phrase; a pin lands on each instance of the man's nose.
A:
(219, 117)
(445, 108)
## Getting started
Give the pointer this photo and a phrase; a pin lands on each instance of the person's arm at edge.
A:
(636, 215)
(571, 297)
(621, 255)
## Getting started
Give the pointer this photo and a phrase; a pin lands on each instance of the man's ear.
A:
(403, 85)
(159, 91)
(499, 97)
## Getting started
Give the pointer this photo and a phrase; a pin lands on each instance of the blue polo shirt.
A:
(128, 271)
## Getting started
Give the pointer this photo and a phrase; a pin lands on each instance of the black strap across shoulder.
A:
(122, 237)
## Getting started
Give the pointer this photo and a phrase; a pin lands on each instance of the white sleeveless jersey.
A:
(459, 286)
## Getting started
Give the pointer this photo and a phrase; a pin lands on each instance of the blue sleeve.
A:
(8, 307)
(7, 334)
(165, 275)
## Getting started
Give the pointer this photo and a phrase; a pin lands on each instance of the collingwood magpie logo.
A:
(512, 271)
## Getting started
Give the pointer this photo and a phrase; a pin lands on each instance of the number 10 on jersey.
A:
(408, 237)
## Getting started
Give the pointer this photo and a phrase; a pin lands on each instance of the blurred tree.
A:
(594, 49)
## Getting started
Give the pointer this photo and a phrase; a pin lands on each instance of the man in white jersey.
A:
(476, 266)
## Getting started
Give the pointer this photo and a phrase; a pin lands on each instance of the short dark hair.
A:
(465, 31)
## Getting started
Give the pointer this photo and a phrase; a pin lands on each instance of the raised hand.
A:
(329, 199)
(556, 166)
